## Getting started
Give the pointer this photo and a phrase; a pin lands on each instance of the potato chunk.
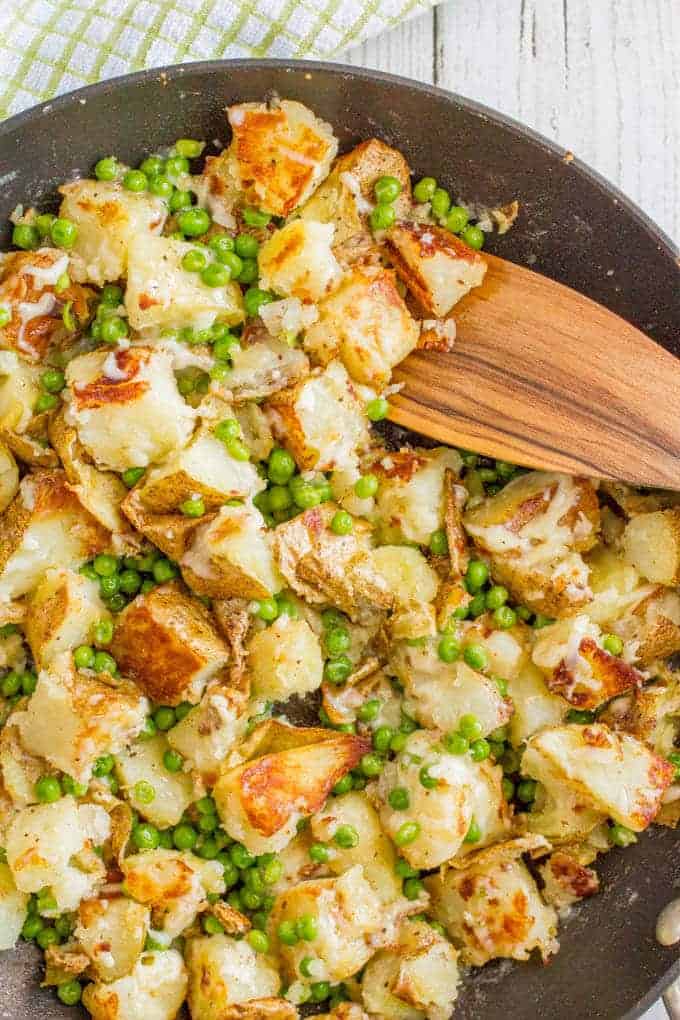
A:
(174, 883)
(366, 324)
(285, 659)
(154, 990)
(112, 932)
(438, 694)
(108, 218)
(323, 567)
(263, 365)
(347, 196)
(72, 718)
(208, 733)
(173, 791)
(438, 268)
(279, 154)
(27, 282)
(577, 668)
(534, 705)
(9, 477)
(45, 526)
(43, 841)
(165, 642)
(298, 261)
(321, 420)
(64, 608)
(126, 407)
(231, 556)
(349, 920)
(224, 972)
(465, 791)
(203, 468)
(534, 530)
(611, 773)
(374, 851)
(19, 390)
(416, 978)
(412, 496)
(161, 294)
(261, 801)
(13, 904)
(651, 542)
(650, 713)
(492, 907)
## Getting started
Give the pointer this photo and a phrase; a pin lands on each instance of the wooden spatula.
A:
(544, 377)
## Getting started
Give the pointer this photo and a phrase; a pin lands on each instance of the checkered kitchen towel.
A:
(52, 46)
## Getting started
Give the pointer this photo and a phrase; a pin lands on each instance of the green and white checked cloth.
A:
(53, 46)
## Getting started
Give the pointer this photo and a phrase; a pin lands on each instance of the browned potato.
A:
(567, 880)
(45, 526)
(261, 801)
(651, 542)
(165, 642)
(436, 266)
(298, 262)
(172, 533)
(365, 323)
(346, 196)
(63, 610)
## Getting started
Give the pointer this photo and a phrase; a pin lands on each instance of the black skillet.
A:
(573, 227)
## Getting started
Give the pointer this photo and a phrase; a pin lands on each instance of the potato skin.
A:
(651, 542)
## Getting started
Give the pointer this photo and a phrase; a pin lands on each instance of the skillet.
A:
(573, 227)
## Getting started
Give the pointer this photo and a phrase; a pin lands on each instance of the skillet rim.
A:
(665, 244)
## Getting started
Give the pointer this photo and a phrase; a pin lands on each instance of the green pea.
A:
(399, 798)
(382, 217)
(255, 217)
(370, 709)
(249, 271)
(319, 853)
(366, 486)
(287, 934)
(32, 927)
(412, 888)
(511, 761)
(241, 857)
(342, 523)
(11, 684)
(320, 990)
(152, 166)
(337, 670)
(45, 402)
(106, 169)
(386, 189)
(211, 926)
(306, 928)
(173, 761)
(163, 570)
(286, 606)
(130, 581)
(280, 497)
(448, 648)
(613, 644)
(43, 223)
(541, 621)
(407, 833)
(145, 836)
(371, 765)
(497, 597)
(254, 298)
(346, 837)
(215, 275)
(621, 836)
(439, 544)
(440, 203)
(479, 749)
(5, 316)
(25, 236)
(193, 221)
(105, 565)
(267, 610)
(116, 602)
(474, 833)
(29, 682)
(382, 738)
(582, 716)
(246, 246)
(83, 657)
(47, 937)
(377, 409)
(180, 200)
(194, 507)
(53, 380)
(131, 476)
(258, 941)
(475, 656)
(457, 219)
(135, 180)
(470, 727)
(194, 261)
(144, 792)
(227, 430)
(404, 870)
(184, 836)
(237, 449)
(425, 189)
(338, 641)
(105, 663)
(460, 613)
(164, 718)
(504, 617)
(175, 166)
(426, 780)
(343, 785)
(477, 605)
(231, 261)
(69, 785)
(103, 765)
(225, 347)
(161, 186)
(674, 759)
(526, 791)
(473, 236)
(476, 575)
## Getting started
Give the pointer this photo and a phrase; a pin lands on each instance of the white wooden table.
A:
(600, 77)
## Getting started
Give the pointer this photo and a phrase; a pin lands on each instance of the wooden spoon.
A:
(544, 377)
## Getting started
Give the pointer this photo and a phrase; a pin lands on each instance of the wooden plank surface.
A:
(601, 78)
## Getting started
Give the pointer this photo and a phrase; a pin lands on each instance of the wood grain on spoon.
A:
(543, 376)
